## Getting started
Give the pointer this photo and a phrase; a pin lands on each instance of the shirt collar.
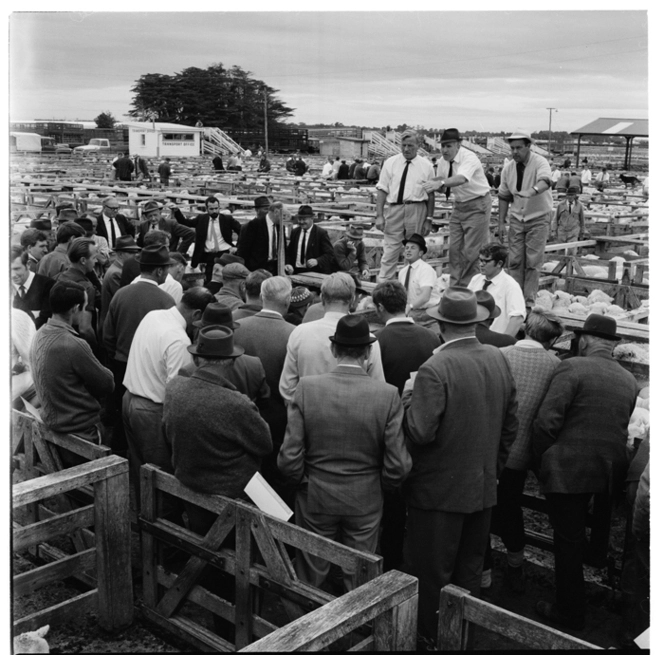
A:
(449, 343)
(270, 311)
(27, 283)
(529, 343)
(399, 319)
(144, 279)
(56, 322)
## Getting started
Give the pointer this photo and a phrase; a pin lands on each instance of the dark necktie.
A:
(21, 292)
(112, 234)
(408, 277)
(486, 284)
(402, 185)
(275, 238)
(570, 207)
(303, 248)
(447, 189)
(519, 175)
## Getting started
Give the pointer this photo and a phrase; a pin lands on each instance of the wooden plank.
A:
(50, 553)
(148, 513)
(66, 480)
(243, 590)
(76, 445)
(31, 581)
(323, 626)
(554, 247)
(626, 329)
(220, 529)
(452, 629)
(519, 628)
(193, 634)
(61, 524)
(113, 544)
(58, 614)
(367, 644)
(268, 549)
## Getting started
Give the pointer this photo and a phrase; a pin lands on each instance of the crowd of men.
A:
(410, 441)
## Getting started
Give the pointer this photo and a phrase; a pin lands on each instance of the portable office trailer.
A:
(164, 140)
(24, 142)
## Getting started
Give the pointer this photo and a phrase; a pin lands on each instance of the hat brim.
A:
(496, 312)
(127, 249)
(199, 324)
(482, 315)
(595, 333)
(237, 351)
(301, 303)
(364, 341)
(459, 140)
(170, 262)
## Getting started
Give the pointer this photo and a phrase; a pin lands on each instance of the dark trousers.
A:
(508, 515)
(393, 529)
(208, 258)
(568, 518)
(119, 439)
(442, 548)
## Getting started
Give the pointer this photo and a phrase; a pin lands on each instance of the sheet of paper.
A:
(266, 498)
(31, 409)
(643, 640)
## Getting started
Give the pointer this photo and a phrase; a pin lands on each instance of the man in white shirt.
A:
(462, 175)
(111, 224)
(328, 169)
(403, 206)
(586, 175)
(308, 351)
(418, 277)
(158, 351)
(505, 289)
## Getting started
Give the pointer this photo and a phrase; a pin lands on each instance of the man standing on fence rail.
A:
(460, 422)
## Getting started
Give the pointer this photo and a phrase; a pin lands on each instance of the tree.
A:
(105, 120)
(219, 97)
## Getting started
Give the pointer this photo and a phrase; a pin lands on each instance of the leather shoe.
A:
(551, 612)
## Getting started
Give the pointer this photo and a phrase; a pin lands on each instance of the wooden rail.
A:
(258, 561)
(108, 558)
(459, 610)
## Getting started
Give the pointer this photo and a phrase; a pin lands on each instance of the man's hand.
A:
(432, 185)
(351, 245)
(426, 228)
(364, 274)
(529, 193)
(232, 251)
(288, 269)
(380, 223)
(312, 263)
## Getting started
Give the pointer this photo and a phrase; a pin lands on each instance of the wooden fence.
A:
(459, 610)
(108, 557)
(259, 563)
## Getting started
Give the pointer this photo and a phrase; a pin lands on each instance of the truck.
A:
(49, 146)
(95, 145)
(24, 142)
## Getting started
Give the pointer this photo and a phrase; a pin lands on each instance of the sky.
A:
(474, 70)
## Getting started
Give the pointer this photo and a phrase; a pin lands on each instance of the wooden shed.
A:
(164, 140)
(345, 147)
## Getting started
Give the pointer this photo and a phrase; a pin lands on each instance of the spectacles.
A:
(485, 261)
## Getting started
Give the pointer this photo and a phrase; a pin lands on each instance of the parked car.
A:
(49, 146)
(95, 145)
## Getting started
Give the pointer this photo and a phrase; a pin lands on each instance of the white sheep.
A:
(32, 642)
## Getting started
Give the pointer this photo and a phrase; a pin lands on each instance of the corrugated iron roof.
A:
(616, 127)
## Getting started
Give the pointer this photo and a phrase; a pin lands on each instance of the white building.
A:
(164, 140)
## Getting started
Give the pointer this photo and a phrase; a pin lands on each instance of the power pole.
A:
(551, 110)
(265, 114)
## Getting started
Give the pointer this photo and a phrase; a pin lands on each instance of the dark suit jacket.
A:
(319, 248)
(460, 423)
(36, 299)
(491, 338)
(201, 223)
(254, 243)
(125, 225)
(179, 233)
(580, 431)
(346, 452)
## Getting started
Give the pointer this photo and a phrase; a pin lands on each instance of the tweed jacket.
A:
(319, 247)
(580, 433)
(460, 423)
(341, 450)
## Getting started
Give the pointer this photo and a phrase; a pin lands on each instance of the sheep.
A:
(544, 299)
(32, 642)
(597, 295)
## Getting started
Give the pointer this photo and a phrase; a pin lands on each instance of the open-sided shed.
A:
(630, 128)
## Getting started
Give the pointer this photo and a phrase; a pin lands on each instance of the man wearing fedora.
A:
(260, 245)
(342, 455)
(462, 175)
(214, 234)
(158, 351)
(418, 277)
(309, 248)
(403, 206)
(349, 251)
(460, 422)
(580, 444)
(127, 308)
(125, 248)
(110, 224)
(181, 236)
(505, 290)
(525, 196)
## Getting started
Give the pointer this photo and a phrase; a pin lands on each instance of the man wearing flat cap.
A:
(310, 248)
(580, 444)
(214, 234)
(460, 422)
(403, 205)
(525, 196)
(260, 244)
(343, 455)
(462, 175)
(181, 235)
(233, 294)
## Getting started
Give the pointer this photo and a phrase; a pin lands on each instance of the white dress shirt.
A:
(158, 351)
(466, 163)
(586, 176)
(507, 294)
(419, 170)
(306, 235)
(308, 353)
(215, 229)
(422, 276)
(26, 284)
(108, 221)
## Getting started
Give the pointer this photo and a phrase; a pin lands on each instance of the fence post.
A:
(396, 629)
(452, 629)
(113, 543)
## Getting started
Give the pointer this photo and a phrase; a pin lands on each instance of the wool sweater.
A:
(68, 378)
(532, 369)
(217, 435)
